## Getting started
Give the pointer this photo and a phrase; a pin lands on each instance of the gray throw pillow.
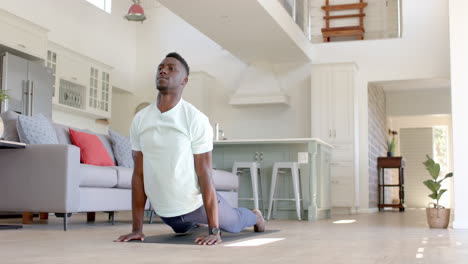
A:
(9, 119)
(122, 149)
(36, 130)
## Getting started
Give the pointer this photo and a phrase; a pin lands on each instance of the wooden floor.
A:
(385, 237)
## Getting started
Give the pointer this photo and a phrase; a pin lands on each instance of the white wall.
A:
(164, 32)
(418, 102)
(422, 53)
(459, 64)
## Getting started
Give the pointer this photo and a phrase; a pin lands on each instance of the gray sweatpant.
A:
(231, 219)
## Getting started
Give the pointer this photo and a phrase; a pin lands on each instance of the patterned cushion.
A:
(36, 130)
(122, 149)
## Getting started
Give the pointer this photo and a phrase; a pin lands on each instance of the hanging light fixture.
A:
(135, 12)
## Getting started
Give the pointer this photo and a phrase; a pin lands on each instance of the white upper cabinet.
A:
(82, 84)
(22, 36)
(332, 102)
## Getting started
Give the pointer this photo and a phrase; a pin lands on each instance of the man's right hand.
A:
(131, 236)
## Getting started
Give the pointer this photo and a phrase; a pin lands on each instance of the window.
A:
(102, 4)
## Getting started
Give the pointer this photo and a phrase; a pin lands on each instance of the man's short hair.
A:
(177, 56)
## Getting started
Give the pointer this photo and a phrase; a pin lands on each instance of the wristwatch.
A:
(215, 231)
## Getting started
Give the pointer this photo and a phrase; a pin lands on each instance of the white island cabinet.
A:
(314, 171)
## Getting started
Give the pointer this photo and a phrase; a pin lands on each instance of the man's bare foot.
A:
(260, 225)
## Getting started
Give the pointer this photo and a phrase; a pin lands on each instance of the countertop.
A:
(266, 141)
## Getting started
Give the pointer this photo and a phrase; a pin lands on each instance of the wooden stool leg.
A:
(44, 216)
(27, 218)
(91, 216)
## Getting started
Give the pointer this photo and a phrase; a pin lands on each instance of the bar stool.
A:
(280, 167)
(254, 170)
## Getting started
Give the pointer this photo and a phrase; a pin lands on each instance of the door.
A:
(14, 80)
(41, 88)
(415, 144)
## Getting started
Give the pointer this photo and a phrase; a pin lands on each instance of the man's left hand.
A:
(209, 240)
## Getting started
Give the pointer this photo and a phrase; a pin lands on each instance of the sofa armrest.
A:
(40, 178)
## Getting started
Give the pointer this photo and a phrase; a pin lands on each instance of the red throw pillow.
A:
(92, 151)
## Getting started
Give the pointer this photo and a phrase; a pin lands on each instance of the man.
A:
(172, 143)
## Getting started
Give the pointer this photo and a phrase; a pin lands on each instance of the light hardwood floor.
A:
(386, 237)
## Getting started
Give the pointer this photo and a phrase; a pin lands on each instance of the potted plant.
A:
(391, 143)
(3, 95)
(437, 215)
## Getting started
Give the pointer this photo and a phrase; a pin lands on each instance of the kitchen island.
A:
(314, 157)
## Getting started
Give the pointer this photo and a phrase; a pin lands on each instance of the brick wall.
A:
(377, 140)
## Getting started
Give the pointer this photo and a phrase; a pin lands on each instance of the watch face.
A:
(215, 231)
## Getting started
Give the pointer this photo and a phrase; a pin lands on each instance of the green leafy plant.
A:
(3, 95)
(433, 184)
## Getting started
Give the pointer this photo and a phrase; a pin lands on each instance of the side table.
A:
(391, 163)
(4, 144)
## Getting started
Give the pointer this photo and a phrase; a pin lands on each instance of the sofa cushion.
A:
(63, 136)
(122, 149)
(124, 177)
(225, 181)
(97, 176)
(36, 130)
(10, 132)
(92, 151)
(107, 142)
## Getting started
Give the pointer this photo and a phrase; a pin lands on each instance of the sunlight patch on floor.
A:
(344, 221)
(254, 242)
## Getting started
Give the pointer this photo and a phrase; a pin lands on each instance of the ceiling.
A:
(246, 29)
(411, 85)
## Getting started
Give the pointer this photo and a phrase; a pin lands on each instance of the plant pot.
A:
(438, 217)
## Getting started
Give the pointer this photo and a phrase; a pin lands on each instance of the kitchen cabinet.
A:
(332, 102)
(332, 106)
(315, 175)
(22, 36)
(82, 84)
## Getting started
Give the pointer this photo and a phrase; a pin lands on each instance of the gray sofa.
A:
(50, 178)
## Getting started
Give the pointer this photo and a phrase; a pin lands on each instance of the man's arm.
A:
(203, 169)
(138, 200)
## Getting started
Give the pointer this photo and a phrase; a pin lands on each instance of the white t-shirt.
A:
(168, 141)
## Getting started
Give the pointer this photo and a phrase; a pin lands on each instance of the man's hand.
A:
(209, 240)
(131, 236)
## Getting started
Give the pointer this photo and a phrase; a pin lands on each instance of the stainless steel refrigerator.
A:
(29, 85)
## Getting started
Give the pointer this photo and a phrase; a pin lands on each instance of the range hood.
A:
(259, 85)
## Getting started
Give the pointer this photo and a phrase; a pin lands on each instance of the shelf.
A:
(344, 7)
(77, 111)
(391, 205)
(344, 16)
(343, 31)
